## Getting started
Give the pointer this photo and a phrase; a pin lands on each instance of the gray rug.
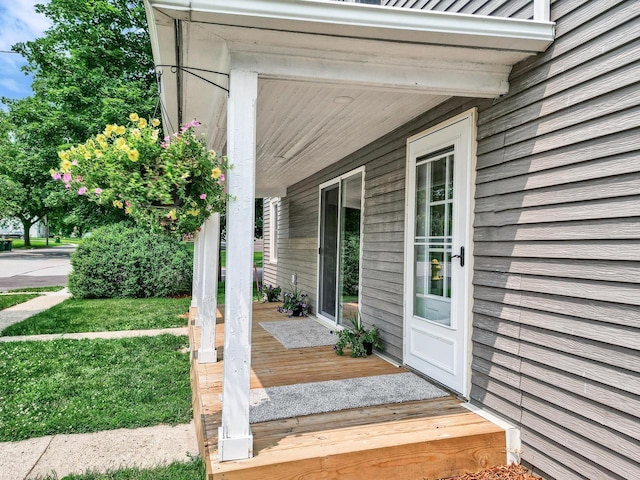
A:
(300, 333)
(318, 397)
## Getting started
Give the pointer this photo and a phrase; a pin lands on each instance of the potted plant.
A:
(171, 185)
(296, 303)
(359, 339)
(270, 293)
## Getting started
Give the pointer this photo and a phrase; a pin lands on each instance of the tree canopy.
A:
(92, 67)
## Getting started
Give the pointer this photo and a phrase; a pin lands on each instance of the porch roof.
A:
(333, 76)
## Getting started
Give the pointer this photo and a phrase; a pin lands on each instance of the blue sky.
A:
(19, 22)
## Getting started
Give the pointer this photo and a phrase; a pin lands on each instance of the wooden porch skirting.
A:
(429, 439)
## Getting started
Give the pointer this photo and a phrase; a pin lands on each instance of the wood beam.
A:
(195, 286)
(235, 441)
(207, 352)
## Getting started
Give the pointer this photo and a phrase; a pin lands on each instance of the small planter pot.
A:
(368, 347)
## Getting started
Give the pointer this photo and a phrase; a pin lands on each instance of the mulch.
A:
(511, 472)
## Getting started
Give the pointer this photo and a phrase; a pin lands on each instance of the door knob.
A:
(460, 256)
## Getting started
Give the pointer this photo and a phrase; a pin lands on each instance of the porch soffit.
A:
(390, 65)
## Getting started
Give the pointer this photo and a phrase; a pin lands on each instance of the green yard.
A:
(73, 386)
(193, 470)
(100, 315)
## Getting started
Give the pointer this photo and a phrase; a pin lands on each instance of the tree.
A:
(92, 67)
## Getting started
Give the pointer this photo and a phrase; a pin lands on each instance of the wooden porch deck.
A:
(429, 439)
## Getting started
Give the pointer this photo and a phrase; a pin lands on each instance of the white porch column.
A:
(235, 440)
(195, 287)
(207, 352)
(201, 266)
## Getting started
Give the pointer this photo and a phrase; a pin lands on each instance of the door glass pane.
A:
(434, 215)
(329, 251)
(350, 215)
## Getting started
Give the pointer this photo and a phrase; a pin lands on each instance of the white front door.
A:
(437, 318)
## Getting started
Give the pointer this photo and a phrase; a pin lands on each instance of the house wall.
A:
(556, 311)
(556, 322)
(492, 8)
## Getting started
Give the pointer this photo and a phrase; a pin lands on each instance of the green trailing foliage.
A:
(119, 261)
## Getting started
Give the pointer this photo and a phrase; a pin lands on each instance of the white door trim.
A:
(322, 186)
(465, 235)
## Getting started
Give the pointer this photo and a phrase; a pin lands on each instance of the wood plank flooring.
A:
(423, 440)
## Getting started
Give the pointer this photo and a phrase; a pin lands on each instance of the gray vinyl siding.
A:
(557, 233)
(269, 269)
(556, 309)
(492, 8)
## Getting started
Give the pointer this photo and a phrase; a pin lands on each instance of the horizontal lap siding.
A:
(492, 8)
(557, 242)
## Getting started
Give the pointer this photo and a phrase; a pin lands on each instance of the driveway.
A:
(35, 268)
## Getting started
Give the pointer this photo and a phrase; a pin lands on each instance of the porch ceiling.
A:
(333, 77)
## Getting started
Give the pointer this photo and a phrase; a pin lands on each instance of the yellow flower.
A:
(120, 143)
(184, 175)
(133, 155)
(87, 155)
(127, 210)
(103, 145)
(64, 155)
(117, 203)
(216, 172)
(212, 153)
(142, 123)
(100, 138)
(91, 144)
(121, 130)
(154, 135)
(155, 122)
(172, 214)
(135, 132)
(195, 213)
(134, 117)
(65, 165)
(109, 130)
(98, 153)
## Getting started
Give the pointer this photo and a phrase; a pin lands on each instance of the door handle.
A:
(460, 256)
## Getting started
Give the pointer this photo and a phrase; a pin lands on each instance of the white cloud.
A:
(19, 22)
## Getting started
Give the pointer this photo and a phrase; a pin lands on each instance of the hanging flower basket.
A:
(171, 185)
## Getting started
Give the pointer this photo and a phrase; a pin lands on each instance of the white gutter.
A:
(367, 21)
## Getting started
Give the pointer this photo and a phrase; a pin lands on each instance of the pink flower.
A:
(195, 123)
(127, 203)
(203, 196)
(164, 145)
(222, 177)
(78, 178)
(56, 176)
(184, 129)
(75, 162)
(67, 186)
(66, 178)
(98, 191)
(82, 190)
(176, 134)
(167, 138)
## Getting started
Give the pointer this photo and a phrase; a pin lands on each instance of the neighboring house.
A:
(12, 227)
(486, 172)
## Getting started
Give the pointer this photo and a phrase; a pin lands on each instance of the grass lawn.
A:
(36, 289)
(74, 386)
(7, 301)
(221, 291)
(193, 470)
(38, 242)
(104, 315)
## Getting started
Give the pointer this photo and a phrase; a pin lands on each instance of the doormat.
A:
(300, 333)
(290, 401)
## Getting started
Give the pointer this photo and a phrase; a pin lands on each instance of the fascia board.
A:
(366, 21)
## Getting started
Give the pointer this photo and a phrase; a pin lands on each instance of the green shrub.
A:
(123, 261)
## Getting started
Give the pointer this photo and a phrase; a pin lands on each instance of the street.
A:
(35, 268)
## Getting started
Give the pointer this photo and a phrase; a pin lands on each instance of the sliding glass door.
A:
(340, 237)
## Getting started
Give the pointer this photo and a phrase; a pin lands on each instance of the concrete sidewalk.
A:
(93, 335)
(101, 451)
(22, 311)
